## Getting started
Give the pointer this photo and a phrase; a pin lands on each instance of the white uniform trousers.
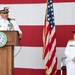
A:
(70, 65)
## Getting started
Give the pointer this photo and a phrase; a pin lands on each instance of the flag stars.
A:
(50, 1)
(51, 26)
(50, 14)
(53, 18)
(48, 19)
(51, 5)
(51, 9)
(48, 6)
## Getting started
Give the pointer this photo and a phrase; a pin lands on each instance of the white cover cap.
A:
(4, 9)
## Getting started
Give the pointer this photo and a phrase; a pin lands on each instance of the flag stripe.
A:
(27, 40)
(21, 1)
(53, 63)
(29, 32)
(28, 57)
(51, 59)
(23, 9)
(61, 1)
(63, 34)
(28, 19)
(54, 69)
(25, 71)
(30, 1)
(50, 44)
(63, 14)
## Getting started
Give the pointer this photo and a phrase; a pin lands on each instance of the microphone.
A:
(10, 25)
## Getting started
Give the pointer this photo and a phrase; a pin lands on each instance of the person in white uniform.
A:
(7, 23)
(70, 54)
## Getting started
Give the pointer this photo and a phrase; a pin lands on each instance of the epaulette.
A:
(10, 18)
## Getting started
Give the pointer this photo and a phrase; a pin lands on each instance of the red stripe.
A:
(21, 1)
(49, 45)
(25, 71)
(49, 62)
(54, 69)
(63, 34)
(56, 1)
(32, 35)
(30, 1)
(45, 36)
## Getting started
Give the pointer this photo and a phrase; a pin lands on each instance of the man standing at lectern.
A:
(7, 23)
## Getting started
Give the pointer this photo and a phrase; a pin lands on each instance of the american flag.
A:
(49, 41)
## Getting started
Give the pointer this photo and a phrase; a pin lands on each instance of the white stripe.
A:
(50, 35)
(49, 53)
(48, 38)
(29, 57)
(28, 14)
(47, 57)
(64, 13)
(60, 54)
(52, 32)
(34, 14)
(52, 49)
(52, 65)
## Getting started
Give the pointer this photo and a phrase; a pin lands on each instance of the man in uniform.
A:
(7, 23)
(70, 54)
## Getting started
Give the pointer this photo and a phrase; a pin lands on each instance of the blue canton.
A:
(50, 14)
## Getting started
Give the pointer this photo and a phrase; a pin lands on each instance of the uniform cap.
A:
(4, 9)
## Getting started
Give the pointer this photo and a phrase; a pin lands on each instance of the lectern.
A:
(7, 53)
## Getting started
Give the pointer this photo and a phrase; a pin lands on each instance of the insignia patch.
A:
(3, 39)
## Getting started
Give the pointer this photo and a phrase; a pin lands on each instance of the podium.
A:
(7, 53)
